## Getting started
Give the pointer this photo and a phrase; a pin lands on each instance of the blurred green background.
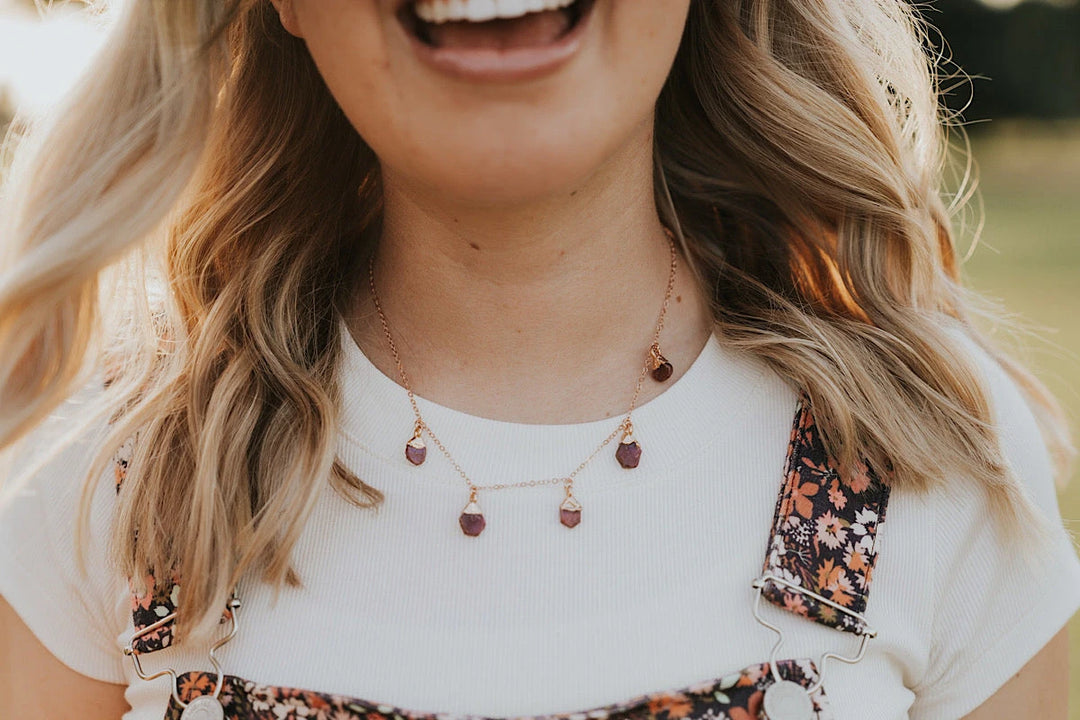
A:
(1028, 257)
(1021, 110)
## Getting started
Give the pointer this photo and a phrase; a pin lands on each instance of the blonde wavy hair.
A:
(800, 151)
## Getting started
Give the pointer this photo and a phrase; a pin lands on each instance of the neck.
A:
(539, 311)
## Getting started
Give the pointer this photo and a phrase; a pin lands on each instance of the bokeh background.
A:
(1012, 71)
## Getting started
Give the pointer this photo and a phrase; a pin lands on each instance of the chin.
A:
(506, 166)
(496, 100)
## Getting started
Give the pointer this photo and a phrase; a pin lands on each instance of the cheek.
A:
(347, 40)
(500, 142)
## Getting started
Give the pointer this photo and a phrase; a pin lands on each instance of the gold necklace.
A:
(628, 454)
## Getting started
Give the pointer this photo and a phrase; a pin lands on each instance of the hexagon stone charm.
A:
(570, 511)
(472, 519)
(415, 449)
(629, 451)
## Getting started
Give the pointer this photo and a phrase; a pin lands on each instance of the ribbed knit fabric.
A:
(651, 591)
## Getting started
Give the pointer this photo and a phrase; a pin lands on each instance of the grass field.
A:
(1029, 259)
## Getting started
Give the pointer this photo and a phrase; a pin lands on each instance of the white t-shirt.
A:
(650, 592)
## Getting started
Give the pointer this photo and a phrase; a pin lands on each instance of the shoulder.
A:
(1016, 421)
(55, 569)
(971, 528)
(50, 466)
(994, 602)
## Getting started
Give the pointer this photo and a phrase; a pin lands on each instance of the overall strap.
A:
(823, 544)
(153, 607)
(153, 614)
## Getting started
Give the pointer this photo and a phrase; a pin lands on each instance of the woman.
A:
(430, 257)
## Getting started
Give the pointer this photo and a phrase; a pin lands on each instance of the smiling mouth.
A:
(492, 25)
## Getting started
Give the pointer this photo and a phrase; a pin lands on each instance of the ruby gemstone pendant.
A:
(472, 520)
(661, 368)
(570, 512)
(629, 452)
(663, 371)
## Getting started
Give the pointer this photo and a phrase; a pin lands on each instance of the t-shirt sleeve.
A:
(997, 604)
(77, 617)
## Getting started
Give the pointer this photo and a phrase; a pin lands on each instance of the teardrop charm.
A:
(415, 449)
(661, 369)
(472, 519)
(629, 452)
(570, 511)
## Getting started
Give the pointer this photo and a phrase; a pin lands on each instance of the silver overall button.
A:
(207, 707)
(786, 700)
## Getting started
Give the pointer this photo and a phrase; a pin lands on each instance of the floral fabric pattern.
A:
(157, 600)
(152, 606)
(738, 696)
(121, 462)
(824, 535)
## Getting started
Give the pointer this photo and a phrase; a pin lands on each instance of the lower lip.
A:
(495, 66)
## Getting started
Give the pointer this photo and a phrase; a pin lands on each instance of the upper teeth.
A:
(440, 11)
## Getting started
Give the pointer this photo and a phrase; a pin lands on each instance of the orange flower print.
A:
(745, 680)
(315, 702)
(146, 597)
(752, 710)
(795, 604)
(801, 494)
(676, 706)
(842, 595)
(756, 672)
(860, 479)
(836, 496)
(826, 573)
(194, 685)
(833, 582)
(824, 470)
(854, 559)
(831, 531)
(828, 615)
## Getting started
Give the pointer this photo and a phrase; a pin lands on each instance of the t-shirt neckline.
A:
(376, 416)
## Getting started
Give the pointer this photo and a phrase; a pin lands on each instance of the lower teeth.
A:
(488, 32)
(532, 29)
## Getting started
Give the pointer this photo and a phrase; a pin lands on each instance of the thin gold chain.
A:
(624, 428)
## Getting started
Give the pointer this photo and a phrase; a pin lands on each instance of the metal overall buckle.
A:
(787, 700)
(204, 707)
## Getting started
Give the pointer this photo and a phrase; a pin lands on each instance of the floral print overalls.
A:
(819, 560)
